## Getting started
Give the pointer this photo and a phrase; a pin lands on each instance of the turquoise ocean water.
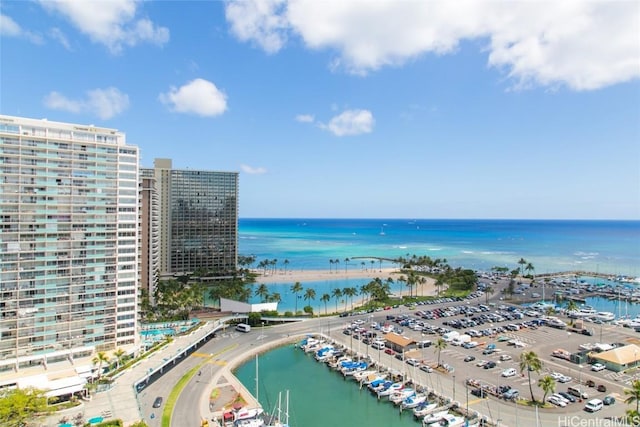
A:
(611, 247)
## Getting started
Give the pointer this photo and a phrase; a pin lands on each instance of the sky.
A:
(353, 108)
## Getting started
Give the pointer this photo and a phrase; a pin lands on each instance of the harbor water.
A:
(318, 396)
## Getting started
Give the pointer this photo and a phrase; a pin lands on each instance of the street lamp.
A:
(454, 387)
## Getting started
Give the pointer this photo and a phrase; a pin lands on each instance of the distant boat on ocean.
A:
(382, 233)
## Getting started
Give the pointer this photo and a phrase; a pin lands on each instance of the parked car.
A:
(158, 402)
(602, 388)
(597, 367)
(609, 400)
(567, 396)
(479, 392)
(511, 394)
(554, 400)
(469, 358)
(426, 368)
(490, 365)
(510, 372)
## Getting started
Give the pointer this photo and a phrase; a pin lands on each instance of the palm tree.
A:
(530, 361)
(286, 263)
(295, 288)
(349, 293)
(262, 292)
(330, 264)
(337, 294)
(119, 355)
(488, 290)
(440, 345)
(275, 297)
(346, 263)
(633, 393)
(325, 298)
(99, 359)
(522, 263)
(309, 295)
(548, 385)
(529, 268)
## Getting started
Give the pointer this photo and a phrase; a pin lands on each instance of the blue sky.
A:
(360, 108)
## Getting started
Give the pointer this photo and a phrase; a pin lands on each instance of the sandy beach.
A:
(303, 276)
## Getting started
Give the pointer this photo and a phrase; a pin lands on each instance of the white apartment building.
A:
(69, 236)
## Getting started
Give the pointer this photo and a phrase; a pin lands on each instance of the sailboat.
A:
(282, 419)
(382, 230)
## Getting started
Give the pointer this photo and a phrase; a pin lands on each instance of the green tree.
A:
(488, 290)
(274, 297)
(99, 359)
(119, 355)
(350, 292)
(139, 424)
(529, 268)
(440, 345)
(309, 295)
(346, 263)
(337, 294)
(296, 288)
(21, 407)
(325, 298)
(262, 292)
(633, 394)
(548, 385)
(530, 361)
(522, 263)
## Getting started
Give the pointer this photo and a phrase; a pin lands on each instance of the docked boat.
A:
(324, 353)
(448, 420)
(436, 417)
(584, 311)
(424, 409)
(375, 387)
(354, 367)
(387, 391)
(398, 396)
(605, 316)
(413, 401)
(361, 375)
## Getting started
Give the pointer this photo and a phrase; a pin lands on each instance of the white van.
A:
(243, 327)
(594, 405)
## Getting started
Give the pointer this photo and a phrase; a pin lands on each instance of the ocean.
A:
(609, 247)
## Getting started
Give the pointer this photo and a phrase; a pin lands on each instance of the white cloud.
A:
(199, 97)
(60, 37)
(103, 103)
(259, 21)
(305, 118)
(253, 170)
(10, 28)
(112, 23)
(351, 122)
(584, 45)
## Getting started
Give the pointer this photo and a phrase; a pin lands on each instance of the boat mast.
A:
(257, 388)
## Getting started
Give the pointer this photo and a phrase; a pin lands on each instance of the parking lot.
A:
(483, 352)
